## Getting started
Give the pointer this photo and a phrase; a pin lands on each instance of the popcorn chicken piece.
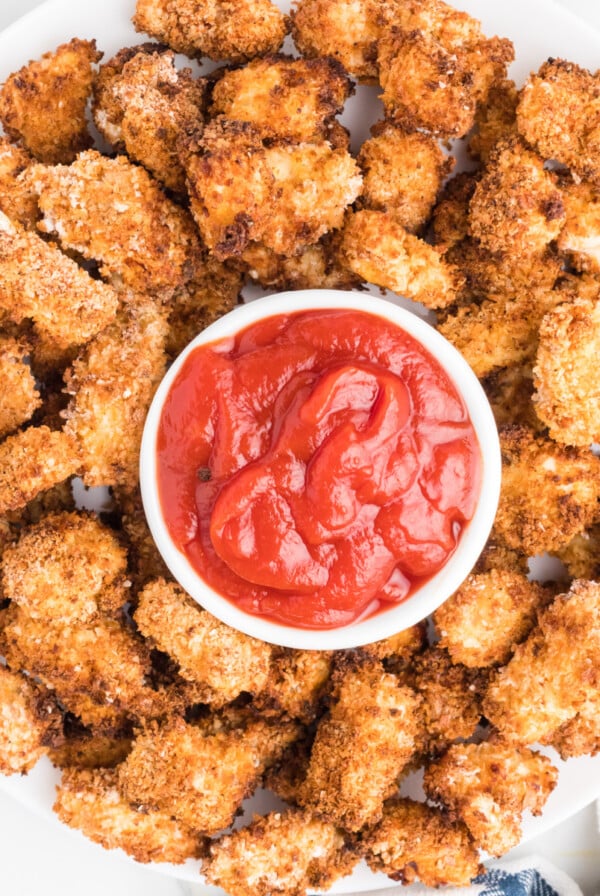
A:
(549, 492)
(285, 98)
(83, 748)
(17, 200)
(495, 119)
(27, 717)
(32, 461)
(361, 746)
(206, 650)
(402, 174)
(581, 555)
(296, 685)
(489, 786)
(281, 853)
(38, 282)
(199, 776)
(237, 30)
(489, 614)
(112, 212)
(43, 104)
(510, 393)
(315, 267)
(145, 561)
(142, 103)
(580, 736)
(399, 649)
(89, 800)
(20, 395)
(579, 237)
(559, 114)
(414, 841)
(450, 216)
(554, 674)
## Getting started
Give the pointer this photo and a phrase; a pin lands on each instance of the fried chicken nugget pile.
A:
(114, 254)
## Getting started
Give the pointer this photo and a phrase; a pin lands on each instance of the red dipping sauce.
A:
(316, 468)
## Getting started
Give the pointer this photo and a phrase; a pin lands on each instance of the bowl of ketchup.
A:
(320, 469)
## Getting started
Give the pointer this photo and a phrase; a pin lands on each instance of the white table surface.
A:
(38, 857)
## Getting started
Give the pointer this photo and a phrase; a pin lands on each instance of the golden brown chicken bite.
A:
(398, 649)
(145, 560)
(114, 213)
(20, 395)
(28, 715)
(491, 612)
(436, 66)
(558, 114)
(489, 786)
(579, 237)
(281, 854)
(32, 461)
(495, 119)
(402, 174)
(315, 267)
(580, 736)
(297, 683)
(66, 568)
(199, 775)
(549, 492)
(142, 103)
(43, 104)
(554, 673)
(361, 746)
(82, 747)
(450, 217)
(89, 800)
(567, 374)
(237, 30)
(286, 98)
(17, 200)
(581, 555)
(283, 195)
(377, 248)
(414, 841)
(510, 393)
(206, 650)
(112, 383)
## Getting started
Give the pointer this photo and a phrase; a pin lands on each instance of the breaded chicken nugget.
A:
(579, 237)
(436, 66)
(566, 373)
(142, 102)
(491, 612)
(89, 800)
(402, 174)
(17, 200)
(286, 98)
(315, 267)
(559, 114)
(361, 747)
(510, 393)
(206, 650)
(580, 736)
(220, 29)
(283, 195)
(450, 216)
(284, 853)
(38, 282)
(581, 555)
(32, 461)
(200, 776)
(112, 383)
(66, 569)
(43, 104)
(398, 649)
(414, 841)
(377, 248)
(114, 213)
(20, 395)
(549, 492)
(297, 683)
(495, 119)
(83, 748)
(489, 786)
(516, 207)
(28, 715)
(145, 561)
(554, 673)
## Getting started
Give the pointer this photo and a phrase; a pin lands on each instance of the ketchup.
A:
(317, 467)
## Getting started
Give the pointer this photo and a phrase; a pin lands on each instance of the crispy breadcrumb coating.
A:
(566, 372)
(549, 492)
(114, 213)
(450, 217)
(579, 237)
(297, 683)
(581, 555)
(495, 120)
(206, 650)
(283, 853)
(32, 461)
(414, 841)
(554, 673)
(17, 200)
(361, 747)
(491, 612)
(377, 248)
(83, 748)
(38, 282)
(43, 104)
(145, 560)
(398, 649)
(286, 98)
(89, 800)
(402, 174)
(112, 383)
(315, 267)
(510, 393)
(558, 114)
(66, 569)
(142, 103)
(20, 395)
(283, 195)
(27, 716)
(580, 736)
(237, 30)
(200, 776)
